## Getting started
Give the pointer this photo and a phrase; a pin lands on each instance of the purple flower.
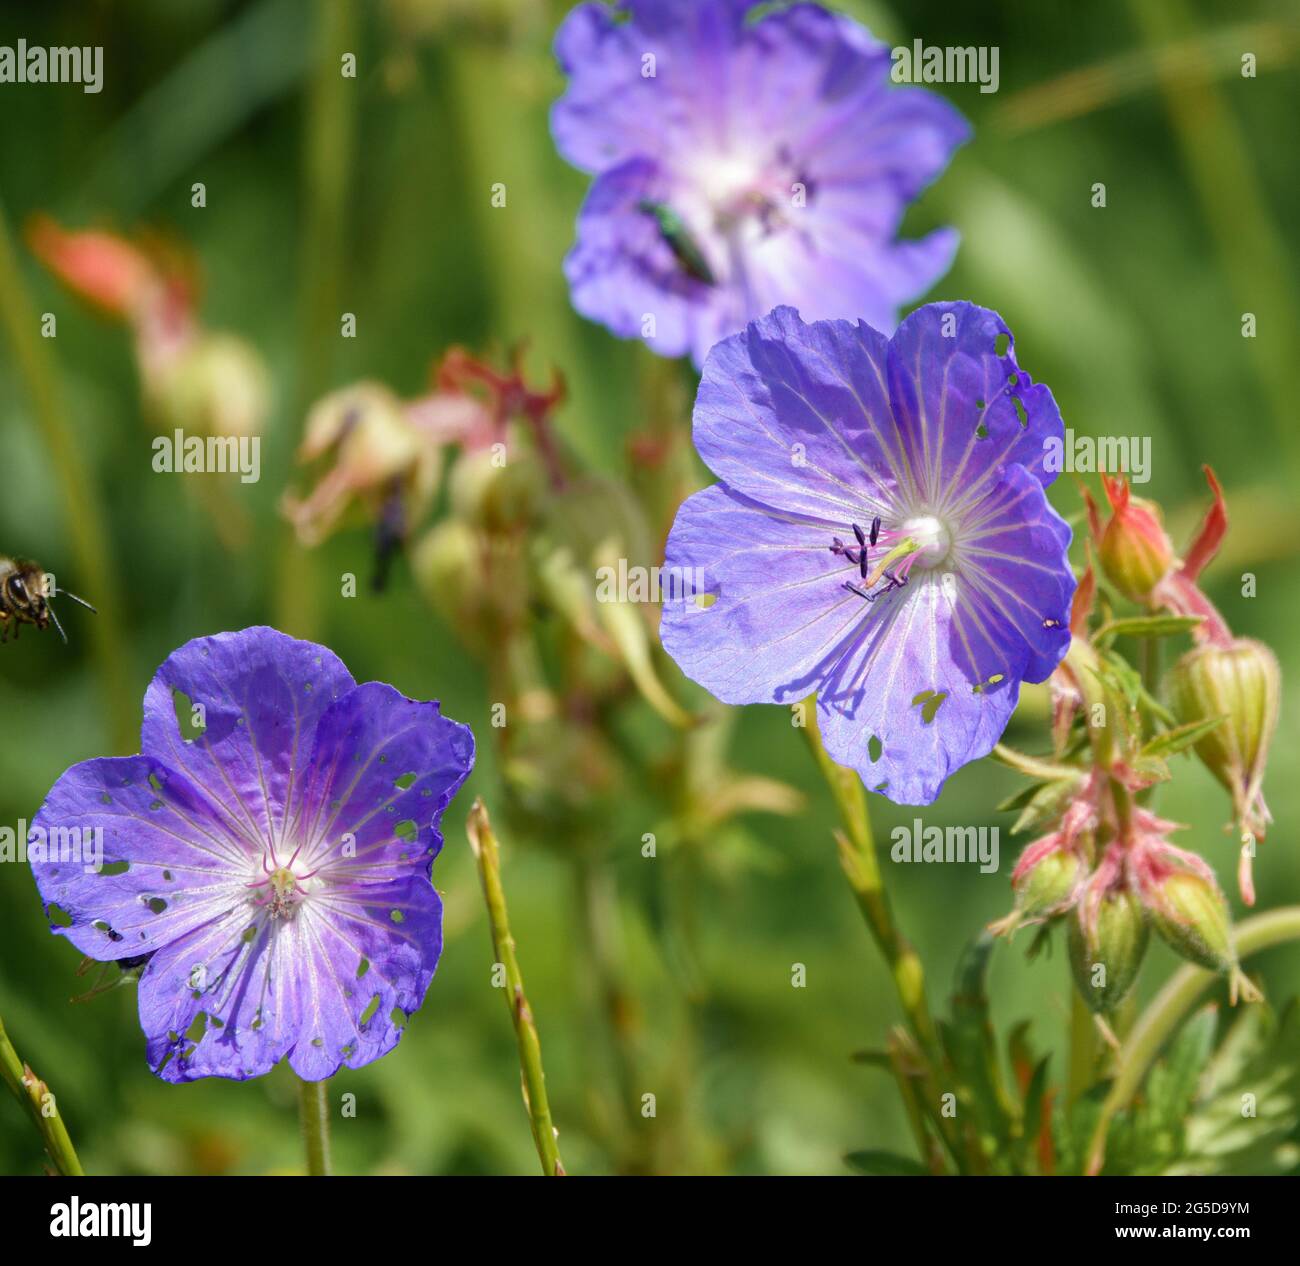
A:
(880, 536)
(274, 868)
(740, 165)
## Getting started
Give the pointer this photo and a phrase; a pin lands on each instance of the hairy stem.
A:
(1167, 1011)
(484, 843)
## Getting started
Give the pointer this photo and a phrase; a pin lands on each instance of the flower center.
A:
(885, 556)
(279, 891)
(933, 540)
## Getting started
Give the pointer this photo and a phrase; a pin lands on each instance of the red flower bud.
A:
(1136, 554)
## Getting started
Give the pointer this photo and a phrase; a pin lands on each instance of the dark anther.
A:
(861, 535)
(892, 582)
(860, 560)
(875, 529)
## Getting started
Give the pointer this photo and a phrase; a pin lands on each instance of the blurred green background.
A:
(373, 196)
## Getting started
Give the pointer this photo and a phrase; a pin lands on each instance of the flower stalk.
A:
(862, 869)
(533, 1077)
(313, 1112)
(41, 1106)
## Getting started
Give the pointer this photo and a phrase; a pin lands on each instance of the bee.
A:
(25, 592)
(678, 239)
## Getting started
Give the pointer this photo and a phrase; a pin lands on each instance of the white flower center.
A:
(279, 889)
(932, 536)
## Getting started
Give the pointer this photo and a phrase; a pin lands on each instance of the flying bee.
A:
(25, 592)
(678, 239)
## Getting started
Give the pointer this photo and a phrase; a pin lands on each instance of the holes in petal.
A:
(362, 967)
(406, 830)
(114, 868)
(156, 904)
(1002, 344)
(187, 716)
(984, 686)
(397, 916)
(370, 1010)
(705, 600)
(874, 748)
(405, 780)
(58, 916)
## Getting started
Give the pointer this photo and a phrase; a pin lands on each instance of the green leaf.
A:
(1035, 1093)
(884, 1163)
(1255, 1065)
(969, 1041)
(1146, 626)
(1180, 738)
(1120, 675)
(1171, 1085)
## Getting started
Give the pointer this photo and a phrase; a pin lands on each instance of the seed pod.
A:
(1106, 964)
(1242, 683)
(1190, 913)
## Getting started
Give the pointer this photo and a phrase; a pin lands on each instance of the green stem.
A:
(861, 866)
(908, 1067)
(328, 152)
(41, 1106)
(858, 859)
(313, 1110)
(484, 843)
(1169, 1008)
(96, 573)
(1083, 1046)
(1033, 766)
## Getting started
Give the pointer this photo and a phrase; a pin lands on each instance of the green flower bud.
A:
(1190, 913)
(1048, 886)
(1106, 965)
(1240, 682)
